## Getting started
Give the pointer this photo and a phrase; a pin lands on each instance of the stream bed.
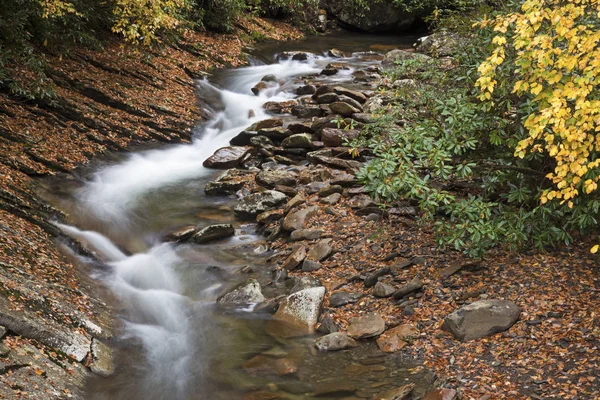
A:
(172, 340)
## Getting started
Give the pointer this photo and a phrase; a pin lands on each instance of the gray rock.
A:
(327, 325)
(310, 265)
(298, 140)
(378, 17)
(304, 282)
(334, 137)
(272, 178)
(315, 187)
(306, 234)
(302, 309)
(294, 259)
(280, 107)
(342, 298)
(276, 133)
(366, 326)
(269, 78)
(265, 124)
(327, 98)
(344, 109)
(306, 89)
(248, 292)
(259, 87)
(383, 290)
(320, 251)
(262, 142)
(335, 341)
(268, 216)
(300, 127)
(332, 199)
(227, 157)
(376, 102)
(414, 285)
(353, 94)
(335, 53)
(399, 55)
(329, 70)
(365, 118)
(243, 138)
(326, 157)
(253, 204)
(293, 203)
(439, 44)
(102, 359)
(213, 232)
(306, 112)
(181, 234)
(329, 190)
(297, 219)
(482, 318)
(373, 278)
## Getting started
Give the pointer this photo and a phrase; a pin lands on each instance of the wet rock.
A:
(399, 393)
(334, 137)
(227, 157)
(350, 101)
(306, 89)
(243, 138)
(397, 338)
(442, 394)
(253, 204)
(300, 127)
(268, 216)
(306, 234)
(296, 201)
(262, 142)
(319, 124)
(280, 107)
(327, 325)
(414, 285)
(482, 318)
(297, 220)
(181, 234)
(383, 290)
(327, 98)
(272, 178)
(320, 251)
(294, 259)
(301, 310)
(400, 55)
(259, 87)
(332, 199)
(353, 94)
(276, 133)
(314, 174)
(366, 326)
(373, 278)
(269, 78)
(335, 341)
(102, 359)
(310, 265)
(335, 53)
(341, 298)
(248, 292)
(265, 124)
(343, 109)
(264, 364)
(326, 157)
(294, 55)
(306, 112)
(304, 282)
(213, 232)
(299, 140)
(322, 90)
(329, 70)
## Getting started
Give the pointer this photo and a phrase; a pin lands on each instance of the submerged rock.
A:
(335, 341)
(229, 182)
(102, 359)
(213, 232)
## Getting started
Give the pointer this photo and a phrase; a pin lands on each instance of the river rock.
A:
(342, 298)
(299, 283)
(397, 338)
(213, 232)
(276, 133)
(227, 157)
(294, 55)
(102, 359)
(300, 127)
(362, 201)
(306, 112)
(344, 109)
(299, 140)
(329, 70)
(320, 251)
(294, 259)
(248, 292)
(366, 326)
(268, 216)
(325, 156)
(414, 285)
(306, 89)
(259, 87)
(266, 123)
(296, 201)
(301, 310)
(262, 142)
(334, 137)
(442, 394)
(272, 178)
(365, 118)
(310, 265)
(353, 94)
(181, 234)
(399, 393)
(327, 326)
(391, 57)
(383, 290)
(327, 98)
(350, 101)
(297, 219)
(330, 189)
(280, 107)
(243, 138)
(229, 182)
(335, 341)
(253, 204)
(335, 53)
(439, 44)
(332, 199)
(269, 78)
(482, 318)
(306, 234)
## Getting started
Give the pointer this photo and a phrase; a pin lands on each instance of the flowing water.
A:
(173, 341)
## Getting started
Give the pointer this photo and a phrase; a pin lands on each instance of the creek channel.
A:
(173, 341)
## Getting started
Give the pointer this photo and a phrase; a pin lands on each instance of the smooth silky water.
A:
(171, 340)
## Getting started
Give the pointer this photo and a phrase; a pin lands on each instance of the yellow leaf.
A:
(594, 249)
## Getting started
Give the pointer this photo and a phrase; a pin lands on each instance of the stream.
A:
(173, 341)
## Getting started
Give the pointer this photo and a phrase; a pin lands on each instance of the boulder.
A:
(248, 292)
(227, 157)
(213, 232)
(272, 178)
(335, 341)
(306, 234)
(305, 112)
(229, 182)
(266, 123)
(350, 101)
(276, 133)
(299, 140)
(253, 204)
(301, 310)
(378, 17)
(297, 220)
(481, 318)
(366, 326)
(439, 44)
(391, 57)
(396, 338)
(333, 137)
(306, 89)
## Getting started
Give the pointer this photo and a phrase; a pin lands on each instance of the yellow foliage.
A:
(57, 8)
(557, 46)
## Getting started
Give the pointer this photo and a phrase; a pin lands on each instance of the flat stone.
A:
(306, 112)
(253, 204)
(414, 285)
(268, 216)
(482, 318)
(331, 189)
(297, 219)
(227, 157)
(356, 95)
(294, 259)
(280, 107)
(399, 393)
(213, 232)
(332, 199)
(294, 202)
(306, 234)
(442, 394)
(248, 292)
(300, 127)
(373, 278)
(320, 251)
(310, 265)
(343, 109)
(342, 298)
(396, 338)
(327, 98)
(302, 309)
(266, 123)
(366, 326)
(383, 290)
(335, 341)
(272, 178)
(181, 234)
(102, 359)
(277, 133)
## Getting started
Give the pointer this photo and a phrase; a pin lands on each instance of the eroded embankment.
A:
(106, 101)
